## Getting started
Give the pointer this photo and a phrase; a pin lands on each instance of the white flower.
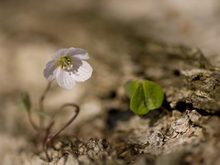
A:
(68, 66)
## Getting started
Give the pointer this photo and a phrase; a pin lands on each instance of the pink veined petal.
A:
(64, 79)
(83, 73)
(78, 53)
(60, 53)
(49, 71)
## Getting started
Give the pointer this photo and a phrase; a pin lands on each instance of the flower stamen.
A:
(65, 62)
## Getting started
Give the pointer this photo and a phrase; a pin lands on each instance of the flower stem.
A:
(50, 137)
(41, 105)
(33, 124)
(68, 122)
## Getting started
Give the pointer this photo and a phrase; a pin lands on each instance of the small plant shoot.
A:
(144, 96)
(25, 101)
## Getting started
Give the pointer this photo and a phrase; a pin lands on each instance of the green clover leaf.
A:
(144, 96)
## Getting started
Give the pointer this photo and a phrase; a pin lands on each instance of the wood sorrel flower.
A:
(68, 66)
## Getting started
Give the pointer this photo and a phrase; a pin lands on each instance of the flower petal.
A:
(64, 79)
(78, 53)
(49, 71)
(60, 53)
(76, 63)
(83, 73)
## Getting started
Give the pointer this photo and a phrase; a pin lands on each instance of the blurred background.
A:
(31, 32)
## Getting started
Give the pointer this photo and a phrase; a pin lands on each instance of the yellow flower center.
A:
(65, 62)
